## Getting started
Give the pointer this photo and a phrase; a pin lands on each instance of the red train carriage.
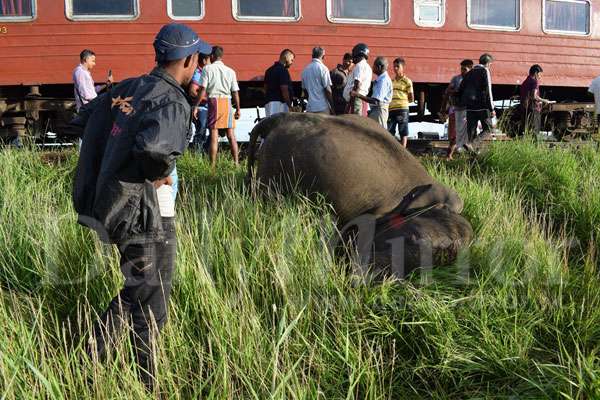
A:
(40, 41)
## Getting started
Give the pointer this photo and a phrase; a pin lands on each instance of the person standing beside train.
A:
(339, 78)
(404, 94)
(476, 96)
(382, 93)
(278, 84)
(316, 83)
(83, 83)
(457, 114)
(359, 81)
(199, 140)
(219, 84)
(122, 190)
(531, 102)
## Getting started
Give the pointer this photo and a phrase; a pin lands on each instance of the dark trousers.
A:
(142, 303)
(473, 119)
(339, 104)
(399, 118)
(531, 121)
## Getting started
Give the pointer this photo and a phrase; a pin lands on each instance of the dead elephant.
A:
(369, 179)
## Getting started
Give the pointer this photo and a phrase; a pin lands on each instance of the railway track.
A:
(438, 147)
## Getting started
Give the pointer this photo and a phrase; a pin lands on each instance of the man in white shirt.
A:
(83, 83)
(316, 82)
(383, 90)
(595, 90)
(359, 81)
(219, 83)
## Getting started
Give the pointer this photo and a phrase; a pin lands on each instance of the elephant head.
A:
(397, 244)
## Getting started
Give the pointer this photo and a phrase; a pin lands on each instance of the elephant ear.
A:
(431, 196)
(409, 199)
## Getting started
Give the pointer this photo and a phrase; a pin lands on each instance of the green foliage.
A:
(260, 309)
(562, 185)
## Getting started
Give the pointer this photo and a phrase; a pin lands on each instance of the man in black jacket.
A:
(132, 136)
(476, 96)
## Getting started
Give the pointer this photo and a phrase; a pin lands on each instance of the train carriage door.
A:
(102, 10)
(493, 14)
(17, 10)
(430, 13)
(569, 17)
(266, 10)
(185, 9)
(359, 11)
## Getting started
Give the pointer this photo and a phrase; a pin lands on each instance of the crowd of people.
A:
(349, 88)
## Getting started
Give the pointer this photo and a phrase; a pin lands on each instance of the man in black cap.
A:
(359, 81)
(122, 188)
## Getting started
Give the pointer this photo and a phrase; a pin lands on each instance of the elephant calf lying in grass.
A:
(400, 217)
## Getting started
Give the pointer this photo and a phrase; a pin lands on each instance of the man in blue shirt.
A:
(199, 141)
(382, 93)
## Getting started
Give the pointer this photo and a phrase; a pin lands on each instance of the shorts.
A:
(220, 113)
(399, 118)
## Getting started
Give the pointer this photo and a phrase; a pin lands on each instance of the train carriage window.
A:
(430, 13)
(567, 16)
(17, 10)
(359, 11)
(186, 9)
(105, 9)
(266, 10)
(494, 14)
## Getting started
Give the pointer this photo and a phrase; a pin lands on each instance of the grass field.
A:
(261, 310)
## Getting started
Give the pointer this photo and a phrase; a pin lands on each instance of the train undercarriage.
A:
(28, 115)
(42, 112)
(566, 121)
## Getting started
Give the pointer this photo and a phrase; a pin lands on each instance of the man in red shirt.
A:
(531, 102)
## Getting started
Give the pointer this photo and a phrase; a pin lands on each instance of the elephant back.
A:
(355, 163)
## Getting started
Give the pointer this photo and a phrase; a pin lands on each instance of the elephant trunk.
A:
(261, 130)
(252, 150)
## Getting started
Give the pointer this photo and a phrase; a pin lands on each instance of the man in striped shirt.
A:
(84, 88)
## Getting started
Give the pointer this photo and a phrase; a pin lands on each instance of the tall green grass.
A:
(562, 184)
(260, 309)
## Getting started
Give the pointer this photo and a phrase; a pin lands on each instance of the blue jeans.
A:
(200, 137)
(175, 185)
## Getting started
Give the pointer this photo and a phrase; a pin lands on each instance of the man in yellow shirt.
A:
(399, 107)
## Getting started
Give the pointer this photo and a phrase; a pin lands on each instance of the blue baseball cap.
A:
(177, 41)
